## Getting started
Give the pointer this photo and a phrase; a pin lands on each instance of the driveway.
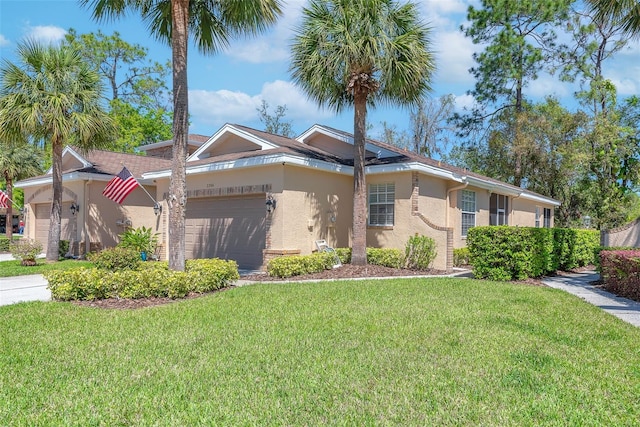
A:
(23, 288)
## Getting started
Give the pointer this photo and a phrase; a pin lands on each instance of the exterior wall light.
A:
(271, 203)
(157, 209)
(74, 208)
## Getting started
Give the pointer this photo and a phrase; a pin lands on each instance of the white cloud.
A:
(464, 103)
(453, 57)
(547, 85)
(215, 108)
(46, 33)
(4, 41)
(274, 45)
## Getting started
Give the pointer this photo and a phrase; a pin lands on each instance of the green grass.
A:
(410, 352)
(13, 268)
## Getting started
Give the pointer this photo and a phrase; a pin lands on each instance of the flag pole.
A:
(12, 201)
(144, 189)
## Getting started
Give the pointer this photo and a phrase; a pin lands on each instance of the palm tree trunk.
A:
(56, 204)
(9, 217)
(359, 237)
(178, 184)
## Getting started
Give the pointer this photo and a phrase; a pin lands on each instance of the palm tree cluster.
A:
(345, 53)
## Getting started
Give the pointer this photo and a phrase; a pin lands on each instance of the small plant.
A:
(141, 239)
(420, 252)
(460, 257)
(26, 250)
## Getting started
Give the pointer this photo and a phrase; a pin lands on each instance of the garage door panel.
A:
(227, 228)
(43, 221)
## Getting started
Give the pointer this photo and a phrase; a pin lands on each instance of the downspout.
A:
(85, 214)
(511, 207)
(449, 191)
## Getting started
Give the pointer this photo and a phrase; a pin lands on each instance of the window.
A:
(538, 212)
(381, 204)
(547, 218)
(498, 209)
(468, 211)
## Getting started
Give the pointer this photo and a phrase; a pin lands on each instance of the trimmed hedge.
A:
(386, 257)
(508, 253)
(575, 248)
(288, 266)
(148, 280)
(620, 272)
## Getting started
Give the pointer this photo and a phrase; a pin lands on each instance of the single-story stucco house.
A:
(252, 196)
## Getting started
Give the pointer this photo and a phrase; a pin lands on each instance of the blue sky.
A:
(228, 87)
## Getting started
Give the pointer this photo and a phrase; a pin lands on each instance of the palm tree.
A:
(212, 24)
(361, 52)
(17, 161)
(626, 13)
(52, 94)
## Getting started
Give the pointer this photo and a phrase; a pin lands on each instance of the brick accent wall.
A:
(415, 211)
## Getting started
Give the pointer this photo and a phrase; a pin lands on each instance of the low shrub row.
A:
(145, 280)
(620, 272)
(518, 253)
(296, 265)
(419, 254)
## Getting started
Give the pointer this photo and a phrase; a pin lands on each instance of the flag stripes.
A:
(4, 200)
(120, 186)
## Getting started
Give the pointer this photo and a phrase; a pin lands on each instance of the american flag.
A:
(4, 200)
(120, 186)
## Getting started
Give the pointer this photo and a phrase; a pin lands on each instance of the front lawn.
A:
(381, 352)
(13, 268)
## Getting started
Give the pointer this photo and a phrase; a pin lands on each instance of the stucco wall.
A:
(627, 235)
(312, 199)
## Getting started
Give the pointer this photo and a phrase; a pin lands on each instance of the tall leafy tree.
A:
(274, 122)
(519, 41)
(53, 94)
(18, 160)
(211, 24)
(360, 53)
(138, 96)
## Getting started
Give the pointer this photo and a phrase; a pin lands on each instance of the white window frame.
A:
(538, 216)
(468, 207)
(382, 204)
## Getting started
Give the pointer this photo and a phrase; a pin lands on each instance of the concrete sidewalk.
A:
(580, 285)
(23, 288)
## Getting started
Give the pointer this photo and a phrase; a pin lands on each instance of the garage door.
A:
(43, 214)
(227, 228)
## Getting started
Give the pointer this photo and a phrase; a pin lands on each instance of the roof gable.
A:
(340, 143)
(231, 139)
(72, 160)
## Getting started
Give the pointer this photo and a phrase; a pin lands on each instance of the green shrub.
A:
(386, 257)
(575, 247)
(141, 239)
(207, 275)
(26, 250)
(117, 258)
(344, 254)
(511, 253)
(420, 252)
(149, 280)
(4, 242)
(288, 266)
(460, 257)
(63, 248)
